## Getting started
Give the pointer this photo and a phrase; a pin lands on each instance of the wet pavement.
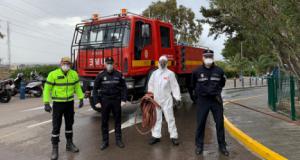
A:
(25, 134)
(278, 135)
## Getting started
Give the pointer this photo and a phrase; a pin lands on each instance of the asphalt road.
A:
(25, 134)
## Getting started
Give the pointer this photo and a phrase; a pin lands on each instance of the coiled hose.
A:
(148, 108)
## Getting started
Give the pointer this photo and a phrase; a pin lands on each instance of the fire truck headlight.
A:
(130, 85)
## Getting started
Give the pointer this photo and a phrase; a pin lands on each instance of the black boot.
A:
(71, 146)
(223, 150)
(154, 140)
(119, 143)
(199, 150)
(104, 145)
(54, 155)
(175, 141)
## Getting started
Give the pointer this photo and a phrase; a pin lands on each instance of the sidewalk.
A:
(278, 135)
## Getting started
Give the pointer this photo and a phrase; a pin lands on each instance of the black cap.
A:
(109, 60)
(208, 52)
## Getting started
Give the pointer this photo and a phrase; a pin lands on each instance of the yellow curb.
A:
(250, 143)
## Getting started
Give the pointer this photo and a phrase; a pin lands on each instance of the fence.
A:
(284, 94)
(245, 82)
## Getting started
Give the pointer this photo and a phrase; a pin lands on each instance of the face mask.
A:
(109, 67)
(208, 61)
(163, 64)
(65, 67)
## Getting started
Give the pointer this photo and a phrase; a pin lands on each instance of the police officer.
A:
(208, 81)
(61, 84)
(110, 92)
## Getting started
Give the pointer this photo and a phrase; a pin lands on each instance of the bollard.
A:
(22, 90)
(234, 82)
(255, 81)
(243, 82)
(250, 81)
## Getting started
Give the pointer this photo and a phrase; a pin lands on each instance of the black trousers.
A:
(109, 105)
(204, 105)
(61, 109)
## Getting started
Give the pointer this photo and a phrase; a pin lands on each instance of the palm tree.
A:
(263, 63)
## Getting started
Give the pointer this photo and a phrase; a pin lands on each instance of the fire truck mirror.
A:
(145, 31)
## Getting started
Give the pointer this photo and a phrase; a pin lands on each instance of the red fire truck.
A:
(136, 43)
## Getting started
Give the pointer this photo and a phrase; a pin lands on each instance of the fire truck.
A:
(135, 42)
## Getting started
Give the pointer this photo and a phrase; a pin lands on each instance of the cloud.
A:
(69, 21)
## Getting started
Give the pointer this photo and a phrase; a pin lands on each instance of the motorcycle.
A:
(5, 91)
(34, 87)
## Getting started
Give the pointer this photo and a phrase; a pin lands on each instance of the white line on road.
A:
(33, 109)
(42, 107)
(38, 124)
(128, 123)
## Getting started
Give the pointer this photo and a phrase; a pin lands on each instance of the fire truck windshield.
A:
(105, 35)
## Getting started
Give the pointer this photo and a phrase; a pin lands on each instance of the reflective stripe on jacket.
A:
(61, 88)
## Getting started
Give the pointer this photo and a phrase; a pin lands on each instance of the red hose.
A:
(148, 108)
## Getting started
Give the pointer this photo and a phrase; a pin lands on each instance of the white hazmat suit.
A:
(163, 85)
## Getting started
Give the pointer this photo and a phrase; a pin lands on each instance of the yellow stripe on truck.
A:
(193, 63)
(147, 63)
(141, 63)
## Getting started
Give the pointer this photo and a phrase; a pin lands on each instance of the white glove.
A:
(123, 104)
(98, 105)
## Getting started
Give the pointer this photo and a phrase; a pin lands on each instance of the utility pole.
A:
(8, 45)
(242, 77)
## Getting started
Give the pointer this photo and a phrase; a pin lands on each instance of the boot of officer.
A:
(63, 103)
(208, 81)
(110, 93)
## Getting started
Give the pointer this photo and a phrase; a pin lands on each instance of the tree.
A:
(186, 27)
(262, 64)
(272, 23)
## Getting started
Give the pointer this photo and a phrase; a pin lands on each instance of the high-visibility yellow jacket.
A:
(60, 87)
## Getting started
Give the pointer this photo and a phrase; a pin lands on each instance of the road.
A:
(25, 134)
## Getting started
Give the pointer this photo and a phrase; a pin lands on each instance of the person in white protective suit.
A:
(163, 85)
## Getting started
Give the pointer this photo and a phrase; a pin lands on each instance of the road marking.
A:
(128, 123)
(38, 124)
(42, 107)
(251, 143)
(33, 109)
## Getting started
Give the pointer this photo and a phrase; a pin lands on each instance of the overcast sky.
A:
(42, 30)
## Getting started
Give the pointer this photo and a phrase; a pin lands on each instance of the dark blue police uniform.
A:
(208, 84)
(109, 90)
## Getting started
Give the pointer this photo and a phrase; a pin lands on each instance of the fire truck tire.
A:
(147, 79)
(92, 103)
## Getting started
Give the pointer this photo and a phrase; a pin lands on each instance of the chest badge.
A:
(201, 75)
(104, 78)
(166, 78)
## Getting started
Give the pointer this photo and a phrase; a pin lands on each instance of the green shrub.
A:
(42, 70)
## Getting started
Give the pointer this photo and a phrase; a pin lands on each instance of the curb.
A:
(250, 143)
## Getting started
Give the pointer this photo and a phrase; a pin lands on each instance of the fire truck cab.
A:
(136, 43)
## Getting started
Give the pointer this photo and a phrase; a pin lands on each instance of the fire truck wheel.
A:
(92, 103)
